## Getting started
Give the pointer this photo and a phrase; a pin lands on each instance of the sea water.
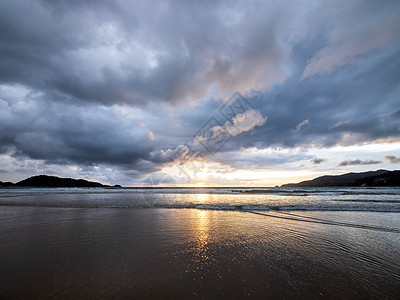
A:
(290, 243)
(385, 199)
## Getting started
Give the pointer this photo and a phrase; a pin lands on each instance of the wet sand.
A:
(181, 253)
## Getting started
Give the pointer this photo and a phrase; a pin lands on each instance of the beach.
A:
(63, 252)
(200, 149)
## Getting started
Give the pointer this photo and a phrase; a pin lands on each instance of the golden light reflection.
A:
(201, 197)
(202, 227)
(201, 230)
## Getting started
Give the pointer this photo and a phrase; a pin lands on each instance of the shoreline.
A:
(207, 208)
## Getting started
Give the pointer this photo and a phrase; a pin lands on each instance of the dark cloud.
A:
(139, 52)
(392, 159)
(318, 100)
(63, 134)
(317, 161)
(125, 86)
(358, 162)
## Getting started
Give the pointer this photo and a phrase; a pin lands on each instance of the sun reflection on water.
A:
(201, 197)
(201, 231)
(202, 228)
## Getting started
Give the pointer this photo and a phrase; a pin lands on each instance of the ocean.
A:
(263, 199)
(146, 243)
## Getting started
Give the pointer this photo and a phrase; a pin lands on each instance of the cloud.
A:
(358, 162)
(137, 53)
(392, 159)
(120, 89)
(151, 136)
(352, 37)
(317, 161)
(252, 158)
(217, 135)
(340, 123)
(157, 179)
(301, 124)
(169, 156)
(67, 134)
(240, 123)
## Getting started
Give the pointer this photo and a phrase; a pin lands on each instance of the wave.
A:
(257, 199)
(328, 191)
(318, 191)
(394, 209)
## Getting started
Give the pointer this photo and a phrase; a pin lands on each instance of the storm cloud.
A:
(124, 87)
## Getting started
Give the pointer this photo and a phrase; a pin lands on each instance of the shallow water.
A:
(204, 243)
(181, 253)
(264, 199)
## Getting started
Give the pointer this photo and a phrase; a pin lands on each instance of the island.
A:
(367, 179)
(54, 181)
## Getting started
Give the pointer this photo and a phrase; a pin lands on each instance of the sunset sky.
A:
(198, 93)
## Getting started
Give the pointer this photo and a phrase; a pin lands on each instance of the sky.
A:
(198, 93)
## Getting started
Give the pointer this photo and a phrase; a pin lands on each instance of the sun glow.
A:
(270, 167)
(201, 197)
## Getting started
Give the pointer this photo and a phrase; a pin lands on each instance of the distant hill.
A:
(53, 181)
(372, 178)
